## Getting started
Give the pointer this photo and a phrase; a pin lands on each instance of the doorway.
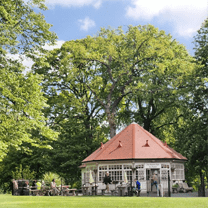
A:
(149, 176)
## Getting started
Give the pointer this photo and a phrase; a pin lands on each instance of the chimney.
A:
(102, 146)
(165, 144)
(119, 145)
(146, 145)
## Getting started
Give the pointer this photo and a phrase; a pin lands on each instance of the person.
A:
(107, 181)
(34, 185)
(53, 187)
(26, 190)
(138, 187)
(154, 180)
(15, 187)
(38, 185)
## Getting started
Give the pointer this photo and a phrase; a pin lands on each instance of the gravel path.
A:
(189, 194)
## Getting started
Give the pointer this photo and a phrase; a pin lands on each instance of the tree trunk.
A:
(112, 123)
(147, 124)
(112, 126)
(201, 191)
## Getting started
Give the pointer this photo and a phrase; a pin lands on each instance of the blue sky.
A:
(75, 19)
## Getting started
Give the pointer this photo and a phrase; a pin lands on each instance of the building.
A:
(133, 153)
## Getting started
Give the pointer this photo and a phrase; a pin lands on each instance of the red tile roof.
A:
(134, 142)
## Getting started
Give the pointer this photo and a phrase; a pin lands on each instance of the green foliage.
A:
(23, 173)
(175, 185)
(143, 63)
(21, 28)
(48, 177)
(23, 129)
(21, 104)
(22, 31)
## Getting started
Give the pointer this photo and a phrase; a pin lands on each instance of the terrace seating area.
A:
(181, 187)
(42, 189)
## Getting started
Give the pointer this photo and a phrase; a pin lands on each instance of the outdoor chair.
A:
(186, 188)
(180, 188)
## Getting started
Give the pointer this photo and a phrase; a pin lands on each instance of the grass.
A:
(9, 201)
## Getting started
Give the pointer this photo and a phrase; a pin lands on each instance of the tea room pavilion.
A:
(133, 153)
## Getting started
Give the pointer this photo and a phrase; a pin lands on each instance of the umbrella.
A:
(91, 178)
(125, 178)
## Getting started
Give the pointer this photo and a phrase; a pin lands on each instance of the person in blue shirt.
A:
(138, 187)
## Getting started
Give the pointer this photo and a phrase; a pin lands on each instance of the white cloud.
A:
(75, 3)
(185, 15)
(57, 45)
(86, 23)
(27, 62)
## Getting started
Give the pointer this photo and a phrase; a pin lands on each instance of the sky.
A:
(75, 19)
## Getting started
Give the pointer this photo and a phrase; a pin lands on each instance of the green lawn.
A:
(9, 201)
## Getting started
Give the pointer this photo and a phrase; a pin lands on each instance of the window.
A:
(177, 172)
(140, 172)
(164, 174)
(128, 170)
(102, 172)
(115, 172)
(165, 166)
(87, 176)
(127, 167)
(141, 166)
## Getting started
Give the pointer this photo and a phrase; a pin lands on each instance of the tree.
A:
(74, 114)
(200, 103)
(114, 65)
(22, 31)
(191, 132)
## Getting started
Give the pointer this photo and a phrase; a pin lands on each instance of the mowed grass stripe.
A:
(9, 201)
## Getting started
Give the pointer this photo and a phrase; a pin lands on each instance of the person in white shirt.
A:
(15, 187)
(53, 187)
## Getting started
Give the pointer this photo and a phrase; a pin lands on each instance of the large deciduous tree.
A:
(200, 106)
(22, 31)
(142, 63)
(191, 132)
(74, 113)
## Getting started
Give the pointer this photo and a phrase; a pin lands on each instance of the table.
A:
(85, 190)
(35, 192)
(73, 191)
(94, 190)
(174, 190)
(121, 190)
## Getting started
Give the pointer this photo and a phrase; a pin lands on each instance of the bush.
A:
(48, 177)
(175, 185)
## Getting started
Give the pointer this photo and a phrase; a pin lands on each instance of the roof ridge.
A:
(177, 153)
(133, 140)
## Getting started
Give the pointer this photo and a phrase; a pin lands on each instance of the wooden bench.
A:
(186, 188)
(35, 192)
(103, 191)
(73, 191)
(174, 189)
